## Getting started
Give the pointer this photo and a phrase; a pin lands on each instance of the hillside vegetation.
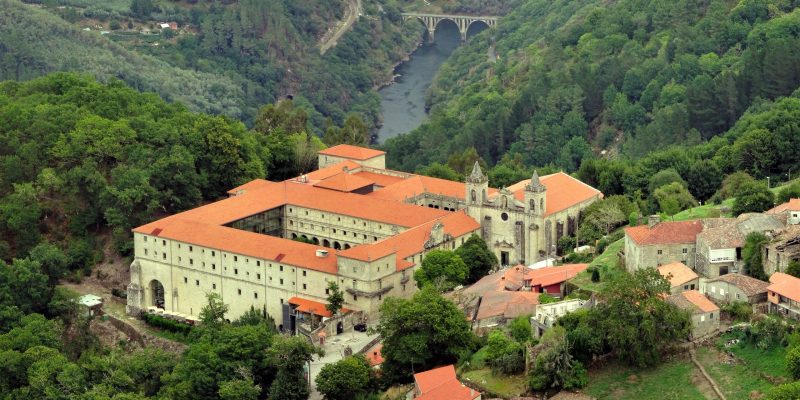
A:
(627, 76)
(226, 57)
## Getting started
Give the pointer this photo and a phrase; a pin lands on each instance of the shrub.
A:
(793, 362)
(739, 311)
(166, 324)
(789, 391)
(595, 275)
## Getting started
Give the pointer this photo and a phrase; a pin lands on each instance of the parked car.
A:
(362, 327)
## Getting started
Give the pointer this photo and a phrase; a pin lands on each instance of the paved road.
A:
(352, 11)
(334, 351)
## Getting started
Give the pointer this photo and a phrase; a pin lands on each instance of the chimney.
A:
(322, 253)
(653, 220)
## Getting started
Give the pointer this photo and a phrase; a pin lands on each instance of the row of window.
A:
(338, 218)
(334, 230)
(684, 251)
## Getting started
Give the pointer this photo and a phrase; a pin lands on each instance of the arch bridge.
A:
(462, 21)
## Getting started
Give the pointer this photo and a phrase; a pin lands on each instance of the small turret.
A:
(535, 198)
(477, 185)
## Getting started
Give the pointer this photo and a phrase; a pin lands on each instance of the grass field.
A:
(674, 380)
(500, 385)
(608, 262)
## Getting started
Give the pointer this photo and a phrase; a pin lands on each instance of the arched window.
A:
(533, 205)
(474, 195)
(541, 205)
(505, 201)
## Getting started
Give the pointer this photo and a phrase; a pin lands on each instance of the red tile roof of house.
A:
(548, 276)
(677, 273)
(563, 191)
(344, 182)
(352, 152)
(312, 307)
(665, 232)
(695, 299)
(379, 179)
(441, 384)
(786, 286)
(791, 205)
(374, 355)
(327, 172)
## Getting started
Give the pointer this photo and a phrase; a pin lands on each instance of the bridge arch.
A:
(475, 27)
(463, 22)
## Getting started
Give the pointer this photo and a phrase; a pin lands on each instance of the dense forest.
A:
(225, 58)
(576, 79)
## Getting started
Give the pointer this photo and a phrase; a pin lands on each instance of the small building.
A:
(547, 314)
(783, 295)
(680, 277)
(737, 287)
(442, 384)
(705, 314)
(791, 209)
(345, 152)
(719, 246)
(659, 243)
(93, 304)
(552, 280)
(374, 356)
(782, 249)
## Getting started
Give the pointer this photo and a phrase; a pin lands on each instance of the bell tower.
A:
(477, 185)
(535, 199)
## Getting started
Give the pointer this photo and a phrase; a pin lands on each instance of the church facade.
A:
(276, 245)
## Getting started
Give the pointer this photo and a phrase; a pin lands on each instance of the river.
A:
(403, 102)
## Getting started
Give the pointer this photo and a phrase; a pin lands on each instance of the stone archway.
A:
(337, 246)
(315, 240)
(475, 27)
(326, 243)
(156, 291)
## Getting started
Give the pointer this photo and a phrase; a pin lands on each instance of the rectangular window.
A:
(185, 280)
(659, 252)
(191, 261)
(304, 286)
(255, 295)
(145, 251)
(164, 256)
(355, 298)
(179, 259)
(144, 238)
(258, 263)
(258, 276)
(702, 318)
(214, 286)
(236, 271)
(191, 249)
(304, 273)
(213, 266)
(685, 251)
(327, 291)
(164, 242)
(197, 283)
(240, 291)
(235, 258)
(281, 281)
(281, 268)
(213, 253)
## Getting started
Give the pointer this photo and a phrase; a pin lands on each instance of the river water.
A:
(403, 102)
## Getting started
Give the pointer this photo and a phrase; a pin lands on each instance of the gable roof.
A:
(374, 355)
(694, 301)
(351, 152)
(548, 276)
(779, 277)
(787, 287)
(312, 307)
(441, 384)
(731, 233)
(344, 182)
(791, 205)
(563, 191)
(748, 285)
(665, 232)
(677, 273)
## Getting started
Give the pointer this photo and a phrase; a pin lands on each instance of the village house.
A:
(735, 287)
(442, 384)
(547, 314)
(790, 209)
(276, 245)
(783, 248)
(704, 313)
(680, 277)
(499, 297)
(783, 295)
(719, 245)
(659, 243)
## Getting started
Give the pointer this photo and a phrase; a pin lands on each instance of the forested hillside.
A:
(225, 58)
(575, 78)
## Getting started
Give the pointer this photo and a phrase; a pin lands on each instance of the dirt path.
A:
(351, 13)
(702, 384)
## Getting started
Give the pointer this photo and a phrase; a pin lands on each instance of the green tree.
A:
(477, 256)
(753, 197)
(421, 333)
(793, 362)
(787, 391)
(335, 298)
(554, 367)
(794, 268)
(665, 177)
(142, 8)
(789, 192)
(520, 328)
(345, 379)
(751, 255)
(443, 269)
(673, 198)
(503, 353)
(239, 389)
(290, 355)
(441, 171)
(212, 315)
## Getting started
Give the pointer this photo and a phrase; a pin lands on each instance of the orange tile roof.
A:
(379, 179)
(344, 182)
(791, 205)
(563, 191)
(374, 355)
(508, 304)
(548, 276)
(442, 384)
(411, 241)
(698, 300)
(254, 184)
(665, 232)
(677, 273)
(241, 242)
(779, 277)
(329, 171)
(788, 287)
(351, 152)
(312, 307)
